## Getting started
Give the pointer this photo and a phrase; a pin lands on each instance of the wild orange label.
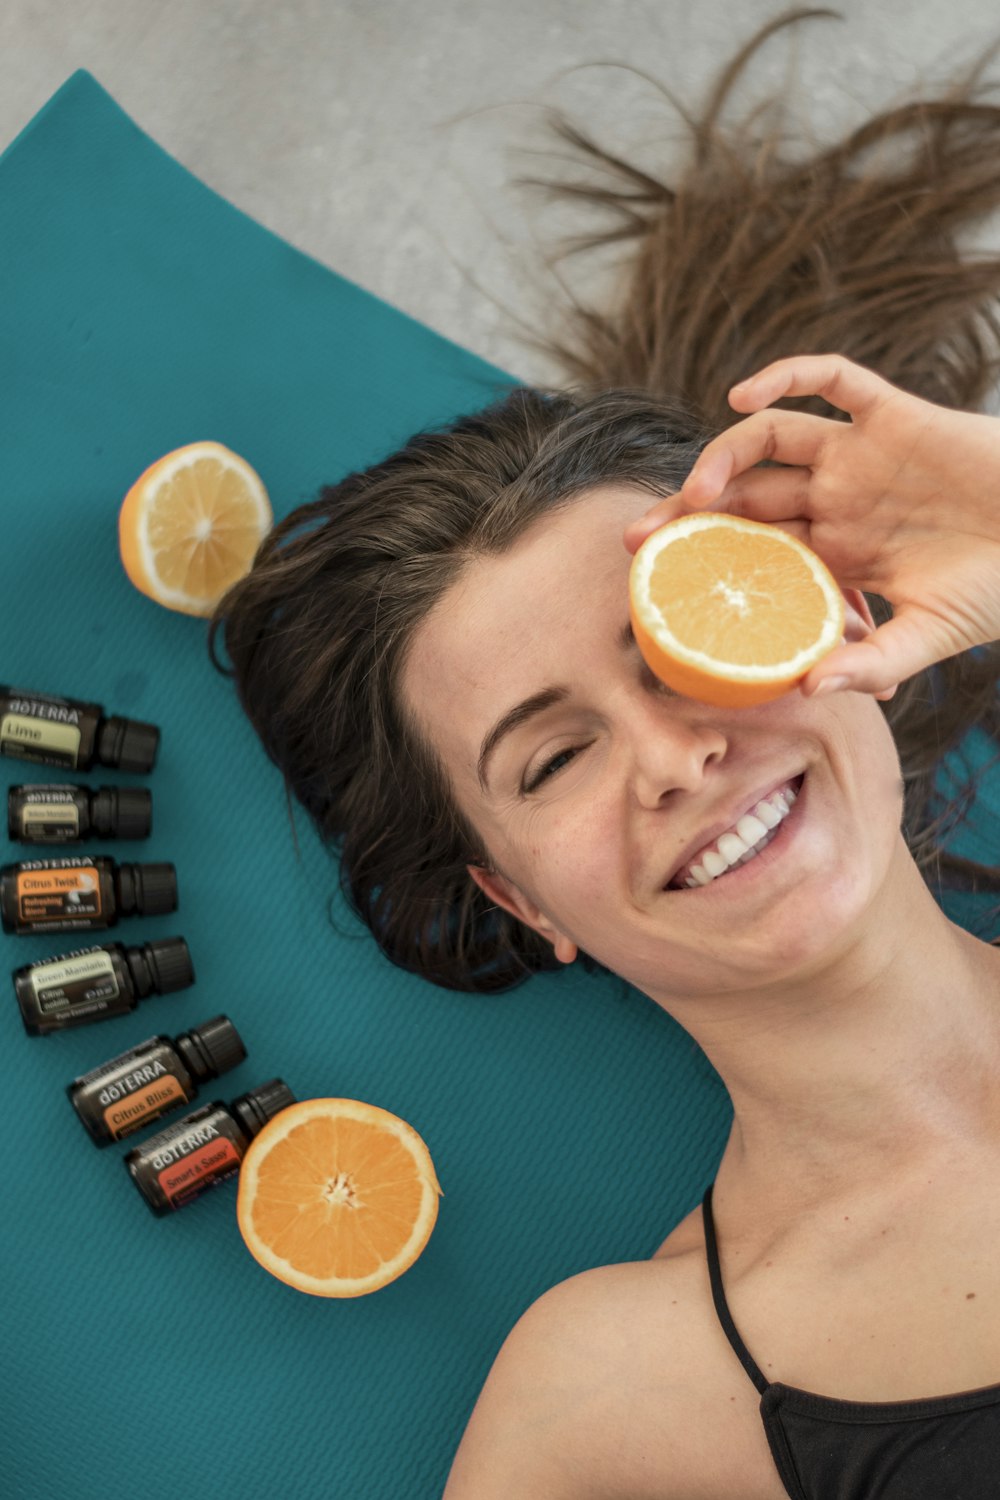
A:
(218, 1159)
(58, 895)
(142, 1106)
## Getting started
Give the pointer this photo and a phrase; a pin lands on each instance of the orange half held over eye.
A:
(730, 611)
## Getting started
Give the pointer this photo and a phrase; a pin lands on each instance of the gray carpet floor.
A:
(384, 137)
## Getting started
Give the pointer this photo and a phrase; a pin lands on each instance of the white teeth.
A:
(737, 848)
(752, 829)
(768, 815)
(731, 846)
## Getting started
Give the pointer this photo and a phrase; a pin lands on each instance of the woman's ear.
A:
(504, 893)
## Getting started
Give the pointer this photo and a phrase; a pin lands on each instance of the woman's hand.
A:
(903, 501)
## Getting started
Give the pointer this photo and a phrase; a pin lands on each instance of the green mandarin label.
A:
(72, 981)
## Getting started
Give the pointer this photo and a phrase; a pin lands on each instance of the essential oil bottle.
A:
(137, 1087)
(96, 984)
(82, 894)
(66, 732)
(204, 1149)
(66, 814)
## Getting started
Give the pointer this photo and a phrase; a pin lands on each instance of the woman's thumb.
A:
(878, 663)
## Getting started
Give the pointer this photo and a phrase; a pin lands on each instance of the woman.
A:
(856, 1028)
(436, 654)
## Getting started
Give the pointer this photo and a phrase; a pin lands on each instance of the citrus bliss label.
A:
(142, 1099)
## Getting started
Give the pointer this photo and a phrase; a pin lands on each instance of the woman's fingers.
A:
(791, 438)
(897, 650)
(849, 387)
(784, 437)
(770, 494)
(788, 439)
(778, 498)
(638, 530)
(762, 495)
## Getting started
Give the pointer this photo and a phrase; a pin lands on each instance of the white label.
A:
(74, 981)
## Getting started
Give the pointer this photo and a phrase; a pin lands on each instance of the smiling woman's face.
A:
(587, 804)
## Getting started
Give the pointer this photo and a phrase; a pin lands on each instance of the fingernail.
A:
(831, 685)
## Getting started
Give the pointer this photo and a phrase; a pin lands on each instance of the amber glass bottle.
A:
(95, 984)
(67, 732)
(42, 814)
(82, 894)
(204, 1149)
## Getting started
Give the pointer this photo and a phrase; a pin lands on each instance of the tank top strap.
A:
(719, 1296)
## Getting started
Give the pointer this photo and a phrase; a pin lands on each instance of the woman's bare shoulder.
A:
(601, 1391)
(557, 1415)
(646, 1359)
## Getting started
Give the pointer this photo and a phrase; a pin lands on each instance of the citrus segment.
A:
(731, 611)
(337, 1197)
(190, 525)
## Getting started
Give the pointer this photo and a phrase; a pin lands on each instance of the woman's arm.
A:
(531, 1434)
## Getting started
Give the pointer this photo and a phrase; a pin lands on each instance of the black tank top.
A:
(936, 1448)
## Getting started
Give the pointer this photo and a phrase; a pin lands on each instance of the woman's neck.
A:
(883, 1061)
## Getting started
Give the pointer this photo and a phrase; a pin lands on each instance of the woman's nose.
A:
(670, 741)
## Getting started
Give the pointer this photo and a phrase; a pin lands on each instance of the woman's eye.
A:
(550, 768)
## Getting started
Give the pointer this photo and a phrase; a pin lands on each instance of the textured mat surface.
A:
(571, 1122)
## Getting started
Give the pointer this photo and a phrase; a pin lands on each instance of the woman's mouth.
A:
(751, 866)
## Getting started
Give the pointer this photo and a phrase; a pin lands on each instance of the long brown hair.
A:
(746, 257)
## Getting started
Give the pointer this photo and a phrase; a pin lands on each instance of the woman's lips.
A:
(693, 857)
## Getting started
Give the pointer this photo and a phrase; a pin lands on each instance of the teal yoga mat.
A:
(571, 1122)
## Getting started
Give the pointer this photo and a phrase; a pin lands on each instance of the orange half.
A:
(337, 1197)
(190, 525)
(730, 611)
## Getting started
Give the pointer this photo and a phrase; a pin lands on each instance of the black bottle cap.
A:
(155, 888)
(211, 1048)
(253, 1110)
(169, 960)
(128, 744)
(123, 812)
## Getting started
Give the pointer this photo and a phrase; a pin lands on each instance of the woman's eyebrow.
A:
(528, 708)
